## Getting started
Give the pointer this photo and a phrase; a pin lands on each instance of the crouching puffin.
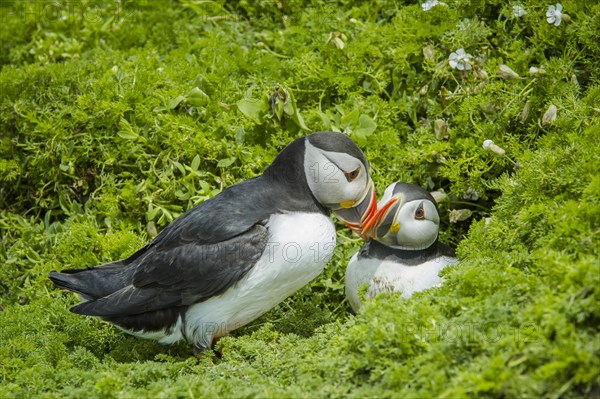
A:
(233, 257)
(404, 254)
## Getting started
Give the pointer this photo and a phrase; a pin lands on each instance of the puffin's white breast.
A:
(299, 247)
(388, 276)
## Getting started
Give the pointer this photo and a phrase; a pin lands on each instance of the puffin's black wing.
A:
(182, 275)
(208, 248)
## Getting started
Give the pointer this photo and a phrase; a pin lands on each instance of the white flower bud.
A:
(481, 73)
(339, 43)
(471, 194)
(429, 52)
(488, 108)
(458, 215)
(439, 195)
(489, 145)
(506, 73)
(441, 129)
(337, 38)
(525, 113)
(151, 229)
(574, 80)
(549, 116)
(535, 71)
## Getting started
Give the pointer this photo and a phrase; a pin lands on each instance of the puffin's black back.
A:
(412, 192)
(375, 250)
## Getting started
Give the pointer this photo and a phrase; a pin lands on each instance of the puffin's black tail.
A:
(93, 282)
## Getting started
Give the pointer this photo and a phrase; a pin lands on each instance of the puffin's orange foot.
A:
(214, 341)
(198, 351)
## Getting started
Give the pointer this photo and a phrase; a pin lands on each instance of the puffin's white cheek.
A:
(417, 234)
(354, 190)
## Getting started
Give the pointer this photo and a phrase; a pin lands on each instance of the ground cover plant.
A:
(116, 117)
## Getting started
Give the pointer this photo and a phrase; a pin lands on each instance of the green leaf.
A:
(181, 195)
(289, 108)
(299, 120)
(127, 135)
(152, 212)
(204, 84)
(240, 135)
(196, 162)
(180, 167)
(278, 109)
(197, 97)
(253, 108)
(176, 101)
(350, 119)
(325, 119)
(366, 127)
(225, 162)
(126, 130)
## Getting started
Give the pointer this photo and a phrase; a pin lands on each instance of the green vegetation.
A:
(116, 117)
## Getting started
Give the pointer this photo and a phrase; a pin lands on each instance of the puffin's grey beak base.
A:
(362, 210)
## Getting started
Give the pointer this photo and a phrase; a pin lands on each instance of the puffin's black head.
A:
(407, 218)
(335, 171)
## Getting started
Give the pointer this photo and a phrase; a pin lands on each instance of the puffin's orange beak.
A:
(360, 211)
(370, 225)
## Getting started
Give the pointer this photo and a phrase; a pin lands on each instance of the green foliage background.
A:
(116, 117)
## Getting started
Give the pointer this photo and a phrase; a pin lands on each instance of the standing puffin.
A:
(235, 256)
(404, 254)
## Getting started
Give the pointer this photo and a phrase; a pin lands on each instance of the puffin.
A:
(402, 252)
(233, 257)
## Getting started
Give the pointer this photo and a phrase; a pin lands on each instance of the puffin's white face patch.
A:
(413, 232)
(327, 174)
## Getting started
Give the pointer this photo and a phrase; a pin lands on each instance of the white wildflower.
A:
(554, 14)
(429, 4)
(518, 11)
(460, 59)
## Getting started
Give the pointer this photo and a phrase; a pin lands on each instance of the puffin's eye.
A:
(420, 212)
(350, 176)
